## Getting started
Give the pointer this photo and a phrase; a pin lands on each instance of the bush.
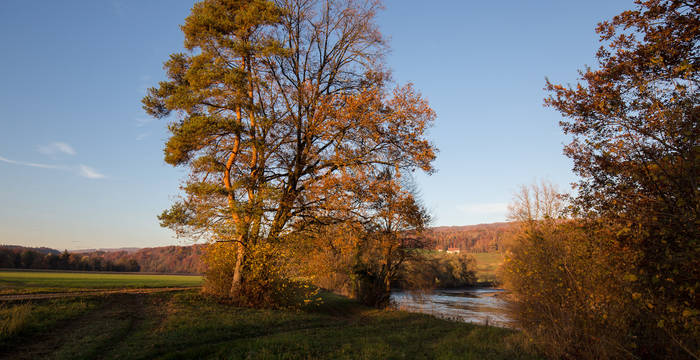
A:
(370, 286)
(570, 285)
(220, 259)
(266, 283)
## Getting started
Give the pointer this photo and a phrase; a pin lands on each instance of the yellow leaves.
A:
(565, 282)
(657, 60)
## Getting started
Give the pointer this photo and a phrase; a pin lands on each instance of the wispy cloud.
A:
(36, 165)
(483, 208)
(82, 170)
(90, 173)
(56, 147)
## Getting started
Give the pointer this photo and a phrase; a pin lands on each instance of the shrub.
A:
(570, 283)
(266, 282)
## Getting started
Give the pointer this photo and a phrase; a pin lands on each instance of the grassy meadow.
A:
(187, 325)
(27, 282)
(487, 265)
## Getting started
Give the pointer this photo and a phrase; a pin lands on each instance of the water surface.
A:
(479, 305)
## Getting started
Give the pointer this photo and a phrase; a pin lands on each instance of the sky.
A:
(81, 164)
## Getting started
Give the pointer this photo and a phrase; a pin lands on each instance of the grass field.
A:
(186, 325)
(487, 265)
(23, 282)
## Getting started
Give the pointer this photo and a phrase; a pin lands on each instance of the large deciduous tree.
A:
(282, 106)
(635, 127)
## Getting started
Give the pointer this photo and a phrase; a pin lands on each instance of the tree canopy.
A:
(286, 118)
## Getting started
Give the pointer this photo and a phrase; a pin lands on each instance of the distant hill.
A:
(21, 257)
(165, 259)
(470, 238)
(41, 250)
(126, 249)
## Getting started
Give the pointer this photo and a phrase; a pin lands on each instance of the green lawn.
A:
(187, 325)
(487, 265)
(16, 282)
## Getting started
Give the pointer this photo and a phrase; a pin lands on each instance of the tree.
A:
(635, 129)
(283, 105)
(536, 202)
(392, 225)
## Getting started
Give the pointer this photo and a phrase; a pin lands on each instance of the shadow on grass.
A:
(187, 325)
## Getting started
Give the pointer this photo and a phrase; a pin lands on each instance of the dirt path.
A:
(88, 293)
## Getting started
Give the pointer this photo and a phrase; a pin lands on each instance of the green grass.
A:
(12, 319)
(487, 265)
(22, 282)
(25, 319)
(187, 325)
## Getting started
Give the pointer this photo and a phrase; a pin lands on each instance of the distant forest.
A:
(187, 259)
(471, 238)
(166, 259)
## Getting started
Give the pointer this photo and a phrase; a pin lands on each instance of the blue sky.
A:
(81, 164)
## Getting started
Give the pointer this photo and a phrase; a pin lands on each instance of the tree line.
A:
(166, 259)
(27, 258)
(439, 269)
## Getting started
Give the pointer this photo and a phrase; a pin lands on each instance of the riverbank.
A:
(186, 324)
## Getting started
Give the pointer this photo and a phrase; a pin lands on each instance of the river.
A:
(478, 305)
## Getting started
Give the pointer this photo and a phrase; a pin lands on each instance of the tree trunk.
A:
(237, 273)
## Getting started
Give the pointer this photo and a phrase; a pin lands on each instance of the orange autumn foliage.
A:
(274, 144)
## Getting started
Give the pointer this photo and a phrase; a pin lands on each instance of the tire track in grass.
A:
(41, 296)
(93, 335)
(127, 315)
